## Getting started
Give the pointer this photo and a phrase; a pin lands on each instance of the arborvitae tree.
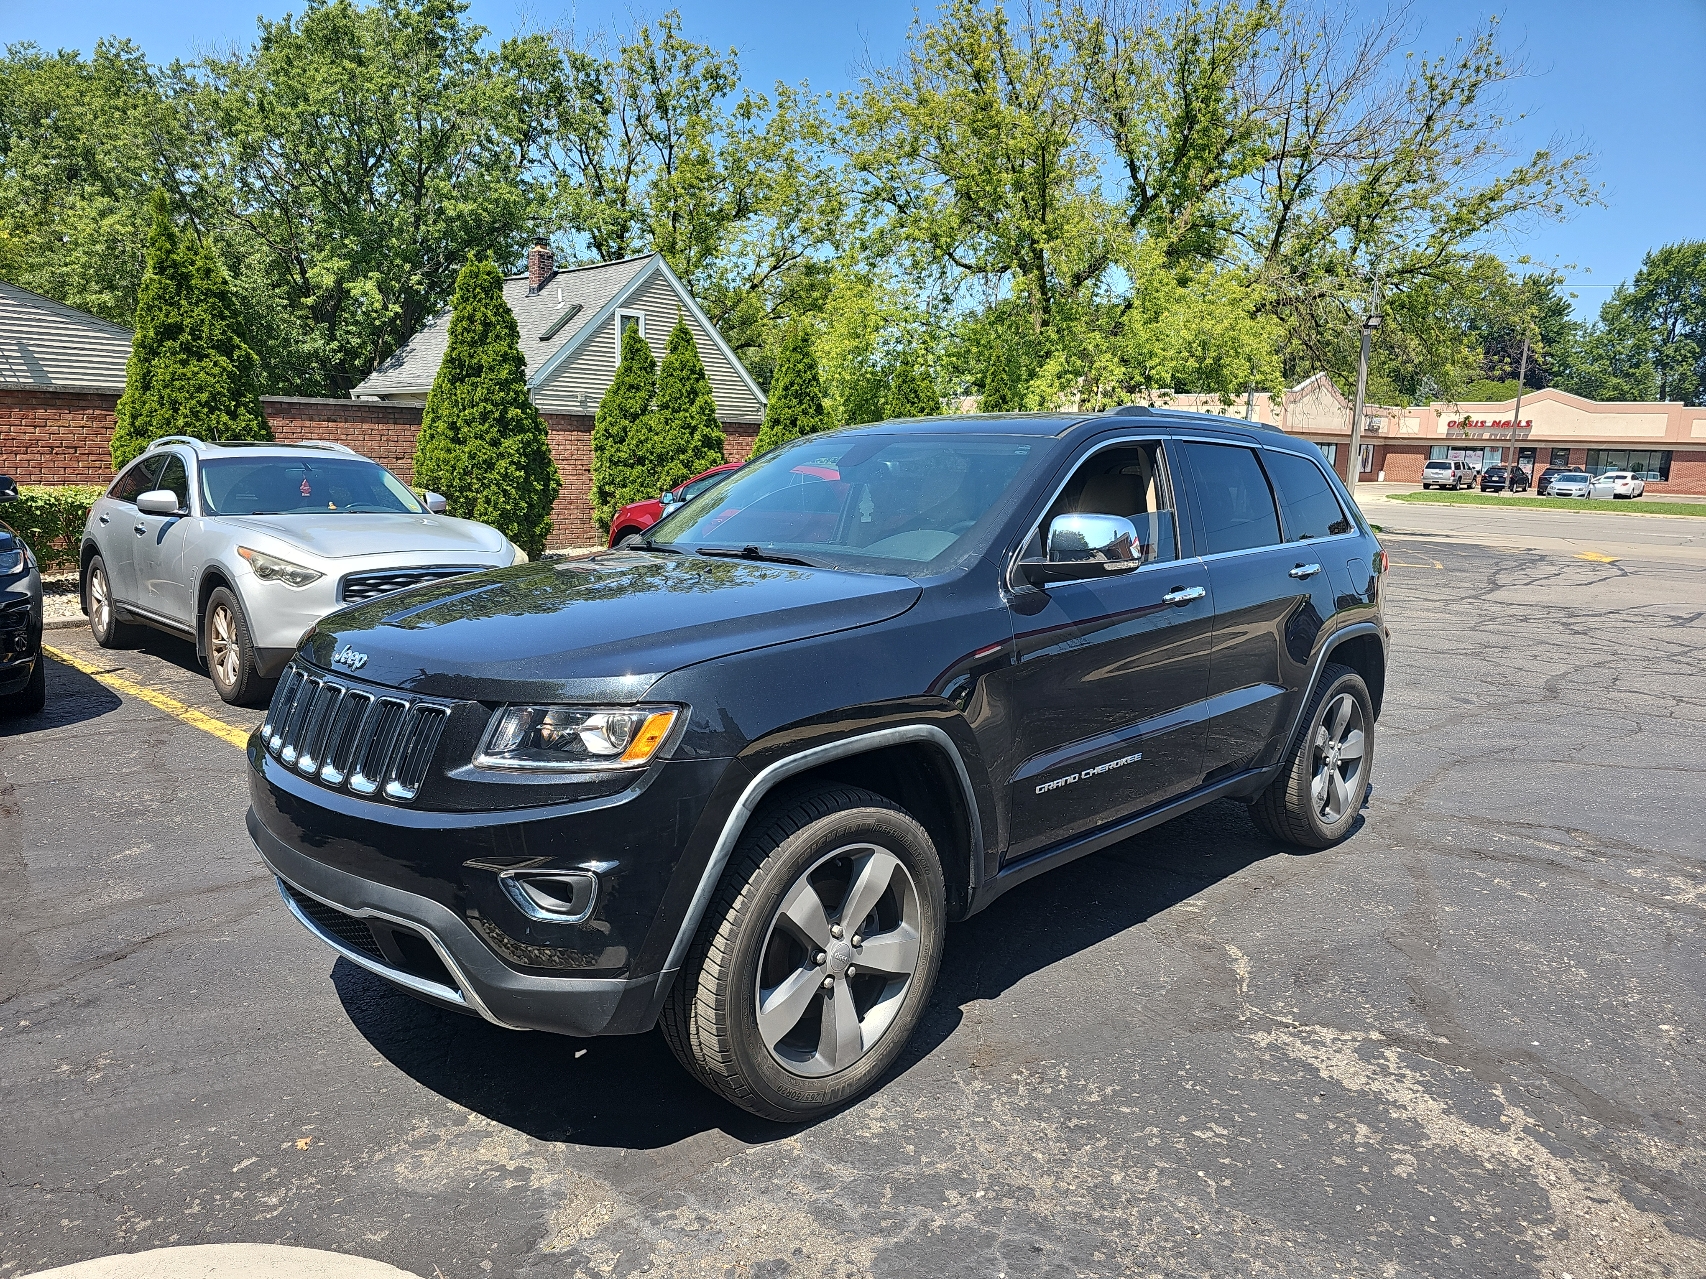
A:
(683, 436)
(864, 396)
(1000, 383)
(910, 391)
(621, 462)
(191, 370)
(482, 443)
(796, 395)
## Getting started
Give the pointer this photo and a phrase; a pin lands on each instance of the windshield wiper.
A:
(645, 545)
(755, 553)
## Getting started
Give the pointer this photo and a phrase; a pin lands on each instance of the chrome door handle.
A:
(1183, 594)
(1305, 570)
(103, 519)
(141, 529)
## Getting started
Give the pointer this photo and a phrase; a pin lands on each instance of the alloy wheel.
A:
(838, 960)
(1336, 784)
(100, 601)
(222, 650)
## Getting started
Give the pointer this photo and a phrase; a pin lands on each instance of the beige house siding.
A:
(580, 383)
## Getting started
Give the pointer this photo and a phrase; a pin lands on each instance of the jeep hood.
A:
(603, 627)
(334, 535)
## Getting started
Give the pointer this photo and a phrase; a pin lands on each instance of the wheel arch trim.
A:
(780, 770)
(1354, 631)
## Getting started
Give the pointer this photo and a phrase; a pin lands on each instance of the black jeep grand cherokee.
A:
(738, 774)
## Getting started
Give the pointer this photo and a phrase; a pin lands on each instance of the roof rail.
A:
(174, 439)
(325, 444)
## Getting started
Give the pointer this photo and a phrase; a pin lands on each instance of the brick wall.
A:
(62, 437)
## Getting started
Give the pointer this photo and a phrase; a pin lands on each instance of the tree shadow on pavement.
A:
(629, 1092)
(72, 698)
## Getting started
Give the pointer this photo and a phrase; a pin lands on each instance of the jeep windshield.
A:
(867, 502)
(305, 486)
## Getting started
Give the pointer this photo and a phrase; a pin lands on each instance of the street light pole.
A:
(1516, 415)
(1370, 323)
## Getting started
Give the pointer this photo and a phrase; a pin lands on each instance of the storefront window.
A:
(1330, 452)
(1366, 462)
(1440, 453)
(1647, 464)
(1560, 457)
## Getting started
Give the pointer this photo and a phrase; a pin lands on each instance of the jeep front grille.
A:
(367, 741)
(366, 586)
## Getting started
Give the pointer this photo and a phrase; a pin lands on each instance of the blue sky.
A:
(1619, 80)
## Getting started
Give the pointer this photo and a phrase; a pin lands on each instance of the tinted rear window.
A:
(1308, 506)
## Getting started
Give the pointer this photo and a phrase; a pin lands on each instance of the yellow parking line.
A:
(1597, 557)
(238, 737)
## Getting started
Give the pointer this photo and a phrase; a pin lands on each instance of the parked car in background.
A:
(23, 669)
(243, 546)
(1618, 484)
(1503, 479)
(1569, 484)
(1543, 485)
(637, 517)
(1446, 474)
(735, 778)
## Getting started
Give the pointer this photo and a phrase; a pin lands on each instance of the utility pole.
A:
(1370, 323)
(1516, 414)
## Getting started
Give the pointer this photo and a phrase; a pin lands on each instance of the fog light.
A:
(557, 896)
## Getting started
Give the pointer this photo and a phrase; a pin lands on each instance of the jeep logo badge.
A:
(347, 656)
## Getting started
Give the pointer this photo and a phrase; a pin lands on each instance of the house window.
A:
(1648, 464)
(626, 320)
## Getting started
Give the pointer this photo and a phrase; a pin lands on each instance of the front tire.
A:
(1315, 800)
(231, 653)
(816, 957)
(102, 608)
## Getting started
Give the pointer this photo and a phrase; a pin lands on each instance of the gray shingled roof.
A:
(50, 344)
(412, 369)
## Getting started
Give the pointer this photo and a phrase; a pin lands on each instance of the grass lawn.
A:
(1604, 506)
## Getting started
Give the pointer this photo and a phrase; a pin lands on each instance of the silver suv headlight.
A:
(270, 568)
(575, 738)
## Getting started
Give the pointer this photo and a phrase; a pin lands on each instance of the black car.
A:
(23, 672)
(1500, 479)
(736, 777)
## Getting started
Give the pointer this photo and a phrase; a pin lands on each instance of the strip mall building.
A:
(1663, 442)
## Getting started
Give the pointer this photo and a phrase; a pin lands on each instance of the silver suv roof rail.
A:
(175, 439)
(324, 444)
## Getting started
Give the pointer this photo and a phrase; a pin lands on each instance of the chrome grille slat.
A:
(379, 741)
(366, 741)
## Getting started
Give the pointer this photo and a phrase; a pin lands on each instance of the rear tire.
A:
(231, 653)
(750, 1015)
(1305, 805)
(29, 699)
(102, 608)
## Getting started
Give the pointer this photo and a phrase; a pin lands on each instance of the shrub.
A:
(683, 434)
(191, 370)
(50, 519)
(621, 464)
(796, 395)
(482, 442)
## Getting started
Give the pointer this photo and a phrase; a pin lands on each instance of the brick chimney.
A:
(541, 265)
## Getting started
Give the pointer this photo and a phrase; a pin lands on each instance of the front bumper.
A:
(470, 978)
(20, 630)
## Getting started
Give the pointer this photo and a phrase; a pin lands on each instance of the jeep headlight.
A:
(270, 568)
(575, 738)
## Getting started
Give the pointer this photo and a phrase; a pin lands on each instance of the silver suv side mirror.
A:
(8, 489)
(435, 502)
(159, 502)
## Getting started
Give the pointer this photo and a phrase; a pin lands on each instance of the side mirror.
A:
(667, 497)
(159, 502)
(8, 489)
(1081, 546)
(435, 502)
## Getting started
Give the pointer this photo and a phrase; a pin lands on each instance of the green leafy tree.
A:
(1667, 300)
(1000, 382)
(622, 460)
(191, 371)
(684, 436)
(911, 392)
(796, 395)
(482, 443)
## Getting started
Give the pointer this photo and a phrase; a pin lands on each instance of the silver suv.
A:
(244, 546)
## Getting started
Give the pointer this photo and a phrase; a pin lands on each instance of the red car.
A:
(637, 517)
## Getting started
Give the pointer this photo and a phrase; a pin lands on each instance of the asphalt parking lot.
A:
(1466, 1042)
